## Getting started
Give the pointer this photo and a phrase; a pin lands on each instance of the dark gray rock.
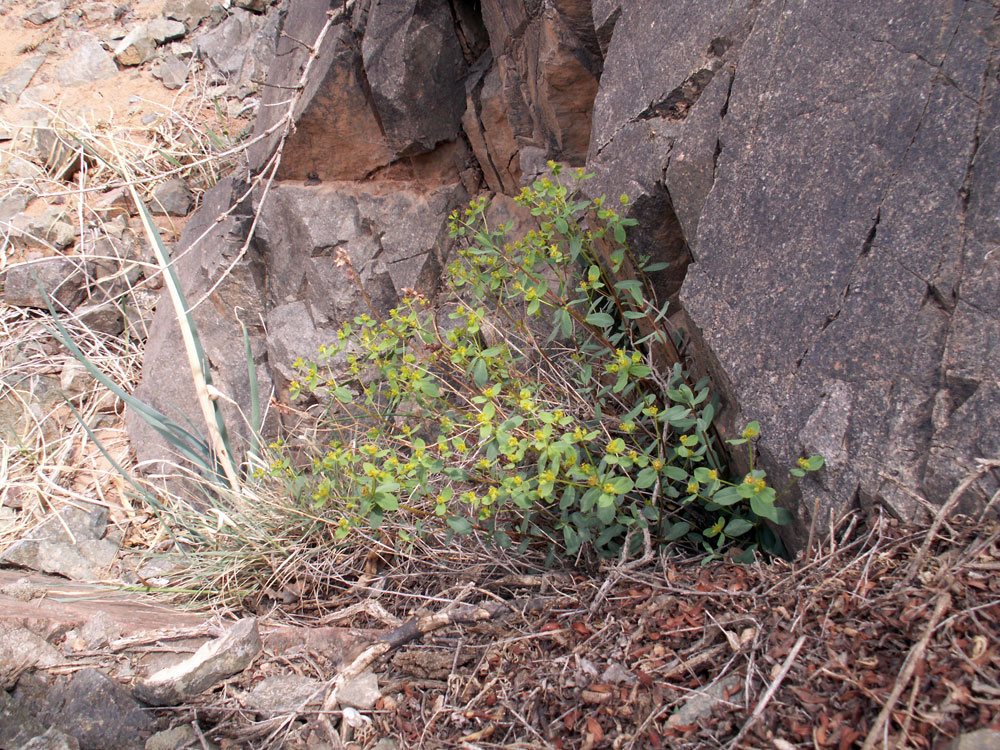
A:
(162, 30)
(393, 241)
(62, 279)
(172, 197)
(844, 250)
(337, 134)
(415, 68)
(208, 253)
(189, 12)
(97, 712)
(18, 724)
(20, 650)
(16, 80)
(71, 543)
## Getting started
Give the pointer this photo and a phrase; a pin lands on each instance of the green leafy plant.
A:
(547, 406)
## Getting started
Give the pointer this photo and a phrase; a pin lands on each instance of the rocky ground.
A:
(880, 637)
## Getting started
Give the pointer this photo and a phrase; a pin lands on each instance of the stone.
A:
(337, 135)
(97, 712)
(12, 204)
(284, 694)
(981, 739)
(47, 230)
(89, 62)
(172, 197)
(847, 334)
(51, 739)
(102, 317)
(62, 279)
(548, 64)
(210, 256)
(414, 67)
(209, 665)
(361, 693)
(488, 129)
(99, 12)
(74, 378)
(702, 703)
(394, 241)
(136, 48)
(175, 738)
(171, 70)
(254, 6)
(18, 724)
(162, 30)
(26, 407)
(224, 48)
(46, 12)
(20, 649)
(16, 80)
(72, 543)
(59, 154)
(189, 12)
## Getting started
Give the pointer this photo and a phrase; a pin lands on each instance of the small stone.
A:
(136, 48)
(361, 693)
(11, 205)
(254, 6)
(45, 231)
(162, 30)
(99, 12)
(171, 70)
(101, 317)
(183, 50)
(98, 712)
(703, 703)
(176, 738)
(386, 743)
(209, 665)
(20, 649)
(172, 198)
(90, 62)
(189, 12)
(284, 693)
(74, 378)
(15, 81)
(46, 12)
(62, 279)
(616, 674)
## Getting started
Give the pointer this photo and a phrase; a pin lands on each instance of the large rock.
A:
(393, 240)
(208, 260)
(845, 283)
(415, 69)
(548, 64)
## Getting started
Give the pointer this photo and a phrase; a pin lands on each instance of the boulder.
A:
(844, 287)
(135, 48)
(415, 69)
(63, 279)
(208, 258)
(337, 134)
(316, 239)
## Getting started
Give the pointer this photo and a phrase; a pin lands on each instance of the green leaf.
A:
(502, 539)
(676, 473)
(601, 320)
(619, 233)
(816, 463)
(459, 525)
(727, 496)
(646, 478)
(678, 530)
(622, 485)
(737, 527)
(762, 508)
(561, 226)
(430, 388)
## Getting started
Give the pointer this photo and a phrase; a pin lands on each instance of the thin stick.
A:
(912, 660)
(766, 698)
(985, 466)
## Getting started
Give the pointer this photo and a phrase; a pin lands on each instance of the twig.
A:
(912, 660)
(985, 466)
(766, 698)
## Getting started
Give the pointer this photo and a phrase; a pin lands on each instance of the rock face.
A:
(817, 177)
(847, 249)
